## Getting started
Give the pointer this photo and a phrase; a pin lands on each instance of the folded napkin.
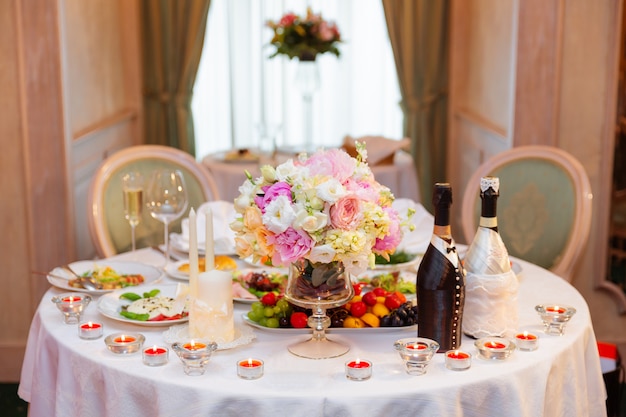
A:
(415, 241)
(380, 150)
(223, 236)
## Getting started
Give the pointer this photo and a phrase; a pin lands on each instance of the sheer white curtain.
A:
(239, 90)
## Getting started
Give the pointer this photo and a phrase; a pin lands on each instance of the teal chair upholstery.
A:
(109, 230)
(544, 208)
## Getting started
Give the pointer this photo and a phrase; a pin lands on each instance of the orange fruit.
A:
(353, 323)
(371, 320)
(380, 310)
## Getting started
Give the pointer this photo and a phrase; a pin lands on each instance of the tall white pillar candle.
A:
(193, 254)
(209, 241)
(211, 313)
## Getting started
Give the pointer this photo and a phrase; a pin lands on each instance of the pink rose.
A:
(289, 246)
(346, 213)
(288, 19)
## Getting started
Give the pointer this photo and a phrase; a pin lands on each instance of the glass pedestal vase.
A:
(308, 82)
(318, 287)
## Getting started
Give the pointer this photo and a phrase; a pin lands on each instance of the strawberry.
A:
(269, 299)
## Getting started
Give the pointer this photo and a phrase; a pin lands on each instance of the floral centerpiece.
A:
(326, 209)
(304, 37)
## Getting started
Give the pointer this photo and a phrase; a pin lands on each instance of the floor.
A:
(10, 404)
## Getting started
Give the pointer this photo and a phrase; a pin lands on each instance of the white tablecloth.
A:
(400, 176)
(65, 376)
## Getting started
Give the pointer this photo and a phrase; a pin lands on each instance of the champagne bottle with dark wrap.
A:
(441, 280)
(490, 285)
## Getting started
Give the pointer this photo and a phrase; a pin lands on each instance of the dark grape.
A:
(385, 321)
(284, 322)
(396, 321)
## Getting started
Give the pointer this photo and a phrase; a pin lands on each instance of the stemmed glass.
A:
(167, 200)
(132, 183)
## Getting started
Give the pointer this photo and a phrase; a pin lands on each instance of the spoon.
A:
(88, 283)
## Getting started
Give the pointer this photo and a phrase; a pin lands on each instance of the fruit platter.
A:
(372, 307)
(250, 285)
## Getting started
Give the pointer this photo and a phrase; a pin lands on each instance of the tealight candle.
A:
(526, 341)
(124, 343)
(358, 370)
(90, 330)
(458, 360)
(555, 317)
(194, 355)
(155, 356)
(416, 353)
(497, 348)
(72, 306)
(250, 368)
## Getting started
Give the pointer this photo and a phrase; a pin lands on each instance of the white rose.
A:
(322, 254)
(310, 222)
(331, 190)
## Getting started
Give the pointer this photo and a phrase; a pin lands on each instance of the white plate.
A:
(110, 304)
(172, 270)
(243, 336)
(149, 273)
(412, 264)
(330, 329)
(179, 243)
(248, 270)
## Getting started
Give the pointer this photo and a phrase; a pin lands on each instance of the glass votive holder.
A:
(194, 355)
(555, 317)
(358, 370)
(124, 343)
(250, 368)
(72, 305)
(416, 352)
(155, 356)
(457, 360)
(494, 348)
(526, 341)
(90, 330)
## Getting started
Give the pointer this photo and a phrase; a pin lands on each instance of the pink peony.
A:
(393, 238)
(288, 19)
(346, 213)
(290, 245)
(271, 192)
(333, 162)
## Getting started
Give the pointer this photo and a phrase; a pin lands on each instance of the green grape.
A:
(283, 304)
(255, 315)
(257, 306)
(268, 311)
(263, 321)
(272, 322)
(277, 310)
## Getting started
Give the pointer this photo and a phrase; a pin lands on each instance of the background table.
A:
(400, 176)
(65, 376)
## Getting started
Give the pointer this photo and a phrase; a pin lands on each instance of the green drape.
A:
(173, 36)
(418, 30)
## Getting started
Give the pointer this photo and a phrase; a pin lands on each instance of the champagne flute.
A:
(167, 200)
(132, 183)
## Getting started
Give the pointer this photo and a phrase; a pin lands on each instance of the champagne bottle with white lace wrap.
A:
(490, 284)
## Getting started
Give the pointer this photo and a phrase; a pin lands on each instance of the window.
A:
(239, 91)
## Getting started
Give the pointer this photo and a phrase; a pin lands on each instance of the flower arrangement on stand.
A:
(304, 37)
(326, 208)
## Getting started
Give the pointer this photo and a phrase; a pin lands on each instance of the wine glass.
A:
(318, 287)
(132, 185)
(166, 200)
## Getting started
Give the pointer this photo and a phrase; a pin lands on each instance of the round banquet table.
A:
(63, 375)
(400, 176)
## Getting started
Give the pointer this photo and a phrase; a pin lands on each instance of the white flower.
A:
(279, 214)
(310, 222)
(322, 254)
(289, 172)
(247, 192)
(269, 173)
(331, 190)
